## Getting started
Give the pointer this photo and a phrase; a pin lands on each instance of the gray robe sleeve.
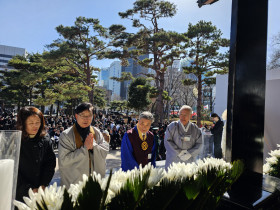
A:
(72, 162)
(172, 149)
(195, 151)
(100, 151)
(68, 154)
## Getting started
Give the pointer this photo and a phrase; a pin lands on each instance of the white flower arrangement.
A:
(180, 170)
(272, 165)
(51, 197)
(146, 187)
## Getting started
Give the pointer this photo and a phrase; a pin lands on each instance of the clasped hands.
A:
(89, 141)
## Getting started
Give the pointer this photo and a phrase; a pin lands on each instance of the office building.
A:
(136, 70)
(7, 53)
(114, 71)
(103, 78)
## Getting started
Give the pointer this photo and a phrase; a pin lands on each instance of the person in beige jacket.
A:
(82, 148)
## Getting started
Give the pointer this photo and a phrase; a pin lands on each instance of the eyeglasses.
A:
(85, 117)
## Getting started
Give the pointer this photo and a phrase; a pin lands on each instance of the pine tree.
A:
(204, 45)
(163, 46)
(79, 45)
(138, 94)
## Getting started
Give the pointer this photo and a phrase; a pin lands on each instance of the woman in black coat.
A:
(217, 132)
(37, 160)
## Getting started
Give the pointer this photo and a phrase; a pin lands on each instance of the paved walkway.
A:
(113, 159)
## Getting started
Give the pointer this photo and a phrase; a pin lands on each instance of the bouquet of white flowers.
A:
(272, 165)
(197, 185)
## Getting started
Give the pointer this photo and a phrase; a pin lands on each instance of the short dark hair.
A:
(214, 115)
(22, 116)
(84, 106)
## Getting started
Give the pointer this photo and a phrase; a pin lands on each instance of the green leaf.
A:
(191, 188)
(91, 195)
(161, 195)
(67, 203)
(131, 193)
(105, 193)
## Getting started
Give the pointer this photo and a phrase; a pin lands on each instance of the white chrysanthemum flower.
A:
(116, 186)
(275, 153)
(103, 183)
(118, 180)
(266, 168)
(97, 177)
(208, 164)
(155, 176)
(52, 196)
(121, 176)
(21, 206)
(180, 171)
(75, 189)
(110, 195)
(31, 200)
(271, 160)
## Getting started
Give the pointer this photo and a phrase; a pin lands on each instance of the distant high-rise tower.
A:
(136, 70)
(104, 78)
(115, 71)
(7, 53)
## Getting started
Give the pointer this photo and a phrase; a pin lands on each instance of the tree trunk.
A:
(199, 98)
(90, 96)
(88, 73)
(18, 106)
(211, 100)
(43, 96)
(30, 96)
(153, 107)
(51, 110)
(43, 109)
(159, 101)
(58, 109)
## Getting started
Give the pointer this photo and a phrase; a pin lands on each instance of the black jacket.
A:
(36, 165)
(217, 131)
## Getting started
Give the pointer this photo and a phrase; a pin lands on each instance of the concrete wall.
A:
(221, 94)
(272, 116)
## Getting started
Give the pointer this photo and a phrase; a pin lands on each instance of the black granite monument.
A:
(246, 106)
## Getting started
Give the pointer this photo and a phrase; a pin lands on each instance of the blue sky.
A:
(30, 24)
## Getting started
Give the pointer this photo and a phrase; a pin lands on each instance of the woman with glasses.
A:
(82, 148)
(37, 160)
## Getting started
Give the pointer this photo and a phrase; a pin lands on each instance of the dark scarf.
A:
(83, 131)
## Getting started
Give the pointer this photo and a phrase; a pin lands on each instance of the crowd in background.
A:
(7, 120)
(114, 125)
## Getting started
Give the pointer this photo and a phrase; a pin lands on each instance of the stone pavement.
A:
(113, 160)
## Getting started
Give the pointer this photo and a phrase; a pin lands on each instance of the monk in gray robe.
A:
(82, 148)
(183, 139)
